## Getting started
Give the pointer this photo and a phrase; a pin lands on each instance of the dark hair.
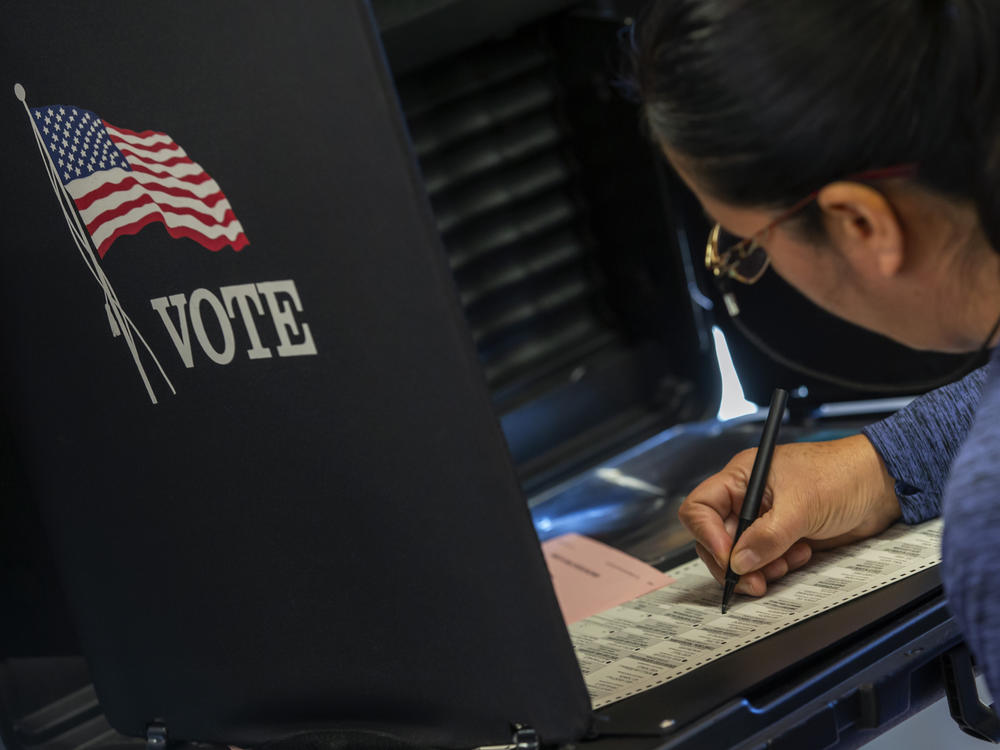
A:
(771, 99)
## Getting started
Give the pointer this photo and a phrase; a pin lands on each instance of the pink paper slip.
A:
(590, 577)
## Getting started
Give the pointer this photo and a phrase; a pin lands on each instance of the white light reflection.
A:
(615, 476)
(734, 403)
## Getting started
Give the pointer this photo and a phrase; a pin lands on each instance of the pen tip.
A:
(727, 594)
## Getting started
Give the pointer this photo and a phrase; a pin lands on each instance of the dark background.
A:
(573, 249)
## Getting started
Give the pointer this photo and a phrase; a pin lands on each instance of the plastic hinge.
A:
(156, 737)
(969, 712)
(526, 738)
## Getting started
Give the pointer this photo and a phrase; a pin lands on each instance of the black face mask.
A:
(725, 287)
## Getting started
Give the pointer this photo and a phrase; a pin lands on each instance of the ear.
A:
(864, 226)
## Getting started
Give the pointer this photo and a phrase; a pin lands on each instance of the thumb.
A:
(768, 538)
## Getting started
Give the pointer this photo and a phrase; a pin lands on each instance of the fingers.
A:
(755, 583)
(708, 528)
(705, 511)
(775, 569)
(752, 584)
(770, 537)
(798, 555)
(770, 548)
(718, 573)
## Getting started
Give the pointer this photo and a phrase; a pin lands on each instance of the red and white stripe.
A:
(165, 185)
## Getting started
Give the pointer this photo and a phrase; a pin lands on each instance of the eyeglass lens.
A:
(744, 262)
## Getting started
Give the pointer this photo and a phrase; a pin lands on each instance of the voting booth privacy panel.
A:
(277, 494)
(242, 385)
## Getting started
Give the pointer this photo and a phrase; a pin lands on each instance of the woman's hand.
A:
(818, 495)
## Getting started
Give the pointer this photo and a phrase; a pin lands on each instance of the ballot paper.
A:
(674, 630)
(590, 577)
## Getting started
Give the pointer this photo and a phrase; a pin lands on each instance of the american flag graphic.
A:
(121, 180)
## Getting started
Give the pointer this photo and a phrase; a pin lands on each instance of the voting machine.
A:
(271, 275)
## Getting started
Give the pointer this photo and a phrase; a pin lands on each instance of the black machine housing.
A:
(576, 253)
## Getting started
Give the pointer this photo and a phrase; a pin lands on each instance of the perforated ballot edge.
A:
(673, 631)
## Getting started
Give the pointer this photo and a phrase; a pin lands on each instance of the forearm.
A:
(919, 443)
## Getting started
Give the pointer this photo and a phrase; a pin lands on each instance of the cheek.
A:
(816, 273)
(806, 268)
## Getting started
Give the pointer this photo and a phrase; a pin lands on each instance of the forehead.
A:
(738, 220)
(742, 221)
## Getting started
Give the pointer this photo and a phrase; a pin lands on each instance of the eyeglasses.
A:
(746, 260)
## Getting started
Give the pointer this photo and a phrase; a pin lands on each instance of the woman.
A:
(856, 148)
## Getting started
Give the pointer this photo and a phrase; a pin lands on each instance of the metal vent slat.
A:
(503, 146)
(499, 191)
(517, 310)
(447, 82)
(510, 270)
(504, 231)
(492, 151)
(490, 109)
(560, 344)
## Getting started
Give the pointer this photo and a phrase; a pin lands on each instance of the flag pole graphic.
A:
(121, 324)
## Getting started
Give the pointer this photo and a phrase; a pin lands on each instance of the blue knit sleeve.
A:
(970, 565)
(919, 443)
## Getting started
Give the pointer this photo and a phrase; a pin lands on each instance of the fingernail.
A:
(744, 561)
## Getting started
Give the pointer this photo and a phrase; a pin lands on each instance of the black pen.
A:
(755, 487)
